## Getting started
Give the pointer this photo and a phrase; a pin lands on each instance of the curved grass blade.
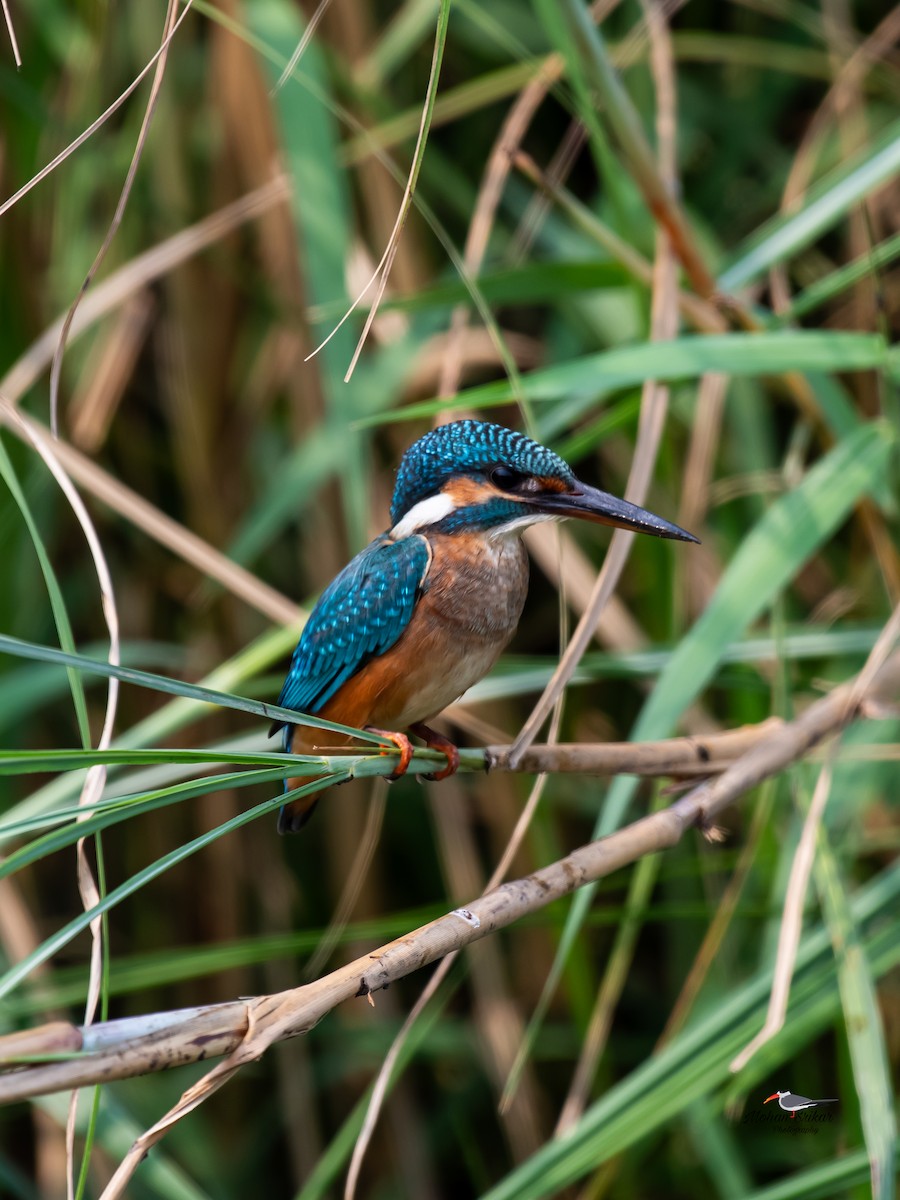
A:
(62, 937)
(54, 591)
(131, 804)
(825, 204)
(862, 1021)
(174, 687)
(583, 381)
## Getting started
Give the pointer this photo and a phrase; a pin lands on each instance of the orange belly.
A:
(463, 621)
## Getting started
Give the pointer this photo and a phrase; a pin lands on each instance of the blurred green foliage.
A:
(187, 378)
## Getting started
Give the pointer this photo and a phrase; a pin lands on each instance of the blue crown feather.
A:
(465, 447)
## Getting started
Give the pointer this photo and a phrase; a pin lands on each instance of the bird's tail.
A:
(301, 739)
(292, 817)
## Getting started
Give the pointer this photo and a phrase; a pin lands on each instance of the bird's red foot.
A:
(436, 741)
(403, 744)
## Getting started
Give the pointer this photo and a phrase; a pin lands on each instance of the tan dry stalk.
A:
(163, 529)
(654, 404)
(10, 29)
(95, 125)
(654, 407)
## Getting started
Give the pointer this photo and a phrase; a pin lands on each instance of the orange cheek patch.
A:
(465, 492)
(549, 484)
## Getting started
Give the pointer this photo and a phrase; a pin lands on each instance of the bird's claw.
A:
(436, 741)
(432, 739)
(404, 746)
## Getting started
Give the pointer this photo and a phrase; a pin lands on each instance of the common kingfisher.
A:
(428, 607)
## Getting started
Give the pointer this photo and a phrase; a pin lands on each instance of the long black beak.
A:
(590, 504)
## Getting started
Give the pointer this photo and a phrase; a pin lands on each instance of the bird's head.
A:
(471, 476)
(775, 1096)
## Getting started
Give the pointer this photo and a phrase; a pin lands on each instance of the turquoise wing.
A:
(360, 615)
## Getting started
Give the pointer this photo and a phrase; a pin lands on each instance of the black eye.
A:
(506, 479)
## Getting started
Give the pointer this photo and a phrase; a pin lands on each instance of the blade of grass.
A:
(131, 803)
(13, 977)
(583, 381)
(840, 1177)
(836, 282)
(784, 236)
(174, 687)
(54, 592)
(862, 1021)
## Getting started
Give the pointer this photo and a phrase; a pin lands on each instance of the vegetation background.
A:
(199, 423)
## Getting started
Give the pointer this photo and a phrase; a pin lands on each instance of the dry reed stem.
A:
(499, 163)
(307, 37)
(118, 215)
(651, 422)
(163, 529)
(791, 922)
(95, 125)
(95, 779)
(10, 29)
(96, 401)
(380, 276)
(654, 408)
(702, 449)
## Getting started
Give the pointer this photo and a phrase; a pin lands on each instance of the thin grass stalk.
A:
(118, 215)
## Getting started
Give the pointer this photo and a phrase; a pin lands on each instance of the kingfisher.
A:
(425, 610)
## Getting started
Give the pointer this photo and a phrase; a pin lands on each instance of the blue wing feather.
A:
(360, 615)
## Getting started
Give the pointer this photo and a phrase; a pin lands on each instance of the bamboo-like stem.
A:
(244, 1029)
(681, 758)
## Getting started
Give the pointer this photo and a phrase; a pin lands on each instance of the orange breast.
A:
(467, 614)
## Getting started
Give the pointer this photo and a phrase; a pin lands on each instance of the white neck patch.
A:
(427, 512)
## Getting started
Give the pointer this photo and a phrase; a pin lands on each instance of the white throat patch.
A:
(427, 512)
(519, 524)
